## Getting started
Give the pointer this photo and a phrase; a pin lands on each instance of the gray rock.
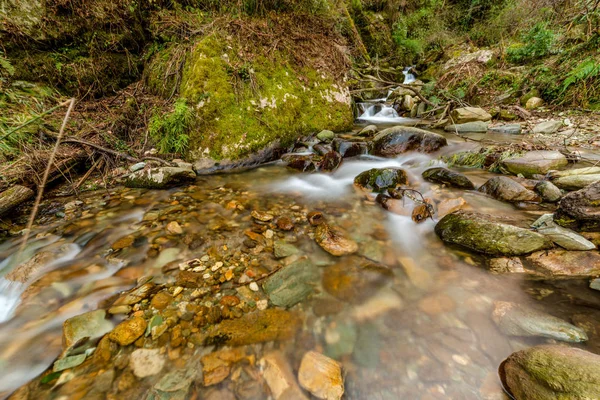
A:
(350, 149)
(536, 162)
(468, 127)
(401, 139)
(565, 238)
(91, 325)
(547, 127)
(292, 284)
(576, 182)
(548, 191)
(470, 114)
(160, 178)
(137, 167)
(68, 362)
(447, 177)
(595, 284)
(369, 130)
(489, 235)
(534, 103)
(146, 362)
(283, 249)
(506, 189)
(577, 171)
(518, 320)
(509, 129)
(580, 210)
(326, 136)
(552, 373)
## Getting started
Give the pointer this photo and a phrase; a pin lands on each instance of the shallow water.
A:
(426, 333)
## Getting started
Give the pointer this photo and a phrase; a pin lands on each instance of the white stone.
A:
(146, 362)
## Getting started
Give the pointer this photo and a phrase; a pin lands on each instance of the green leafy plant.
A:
(588, 69)
(170, 132)
(538, 42)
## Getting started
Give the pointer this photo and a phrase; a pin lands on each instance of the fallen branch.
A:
(7, 134)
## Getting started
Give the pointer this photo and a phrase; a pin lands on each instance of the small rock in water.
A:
(401, 139)
(160, 178)
(128, 331)
(548, 191)
(595, 284)
(354, 279)
(68, 362)
(292, 284)
(565, 264)
(283, 249)
(146, 362)
(92, 325)
(280, 378)
(470, 114)
(174, 228)
(321, 376)
(326, 136)
(334, 240)
(449, 206)
(285, 224)
(506, 189)
(261, 216)
(447, 177)
(381, 179)
(580, 210)
(563, 237)
(436, 304)
(536, 163)
(518, 320)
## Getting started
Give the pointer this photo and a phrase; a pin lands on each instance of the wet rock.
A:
(258, 327)
(326, 136)
(321, 376)
(509, 129)
(595, 284)
(334, 240)
(534, 103)
(548, 127)
(437, 304)
(381, 303)
(381, 179)
(572, 172)
(161, 300)
(146, 362)
(292, 284)
(283, 249)
(447, 177)
(369, 130)
(160, 178)
(565, 238)
(91, 325)
(32, 269)
(505, 189)
(303, 163)
(576, 182)
(553, 373)
(350, 149)
(128, 331)
(216, 366)
(137, 294)
(518, 320)
(261, 216)
(322, 149)
(449, 206)
(330, 161)
(354, 279)
(174, 228)
(566, 264)
(14, 196)
(285, 224)
(488, 235)
(280, 378)
(469, 114)
(580, 210)
(505, 265)
(176, 381)
(548, 191)
(469, 127)
(340, 338)
(400, 139)
(68, 362)
(536, 162)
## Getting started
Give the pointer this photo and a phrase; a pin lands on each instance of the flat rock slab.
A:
(506, 189)
(536, 163)
(547, 127)
(469, 127)
(470, 114)
(563, 264)
(565, 238)
(509, 129)
(576, 182)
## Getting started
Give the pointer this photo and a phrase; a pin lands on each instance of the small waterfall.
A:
(376, 111)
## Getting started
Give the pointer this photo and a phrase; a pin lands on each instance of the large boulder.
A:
(160, 178)
(506, 189)
(580, 210)
(470, 114)
(447, 177)
(552, 373)
(381, 179)
(536, 163)
(400, 139)
(488, 235)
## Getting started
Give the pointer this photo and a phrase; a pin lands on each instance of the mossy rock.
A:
(243, 105)
(380, 179)
(484, 234)
(447, 177)
(160, 178)
(580, 210)
(401, 139)
(552, 373)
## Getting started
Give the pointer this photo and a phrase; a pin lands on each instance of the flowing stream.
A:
(425, 333)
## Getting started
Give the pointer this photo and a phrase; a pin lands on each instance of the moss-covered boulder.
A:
(401, 139)
(380, 179)
(160, 178)
(243, 104)
(447, 177)
(488, 235)
(552, 373)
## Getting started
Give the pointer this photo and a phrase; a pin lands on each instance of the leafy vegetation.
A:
(539, 42)
(170, 132)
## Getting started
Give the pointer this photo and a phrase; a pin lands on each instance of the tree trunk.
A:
(12, 197)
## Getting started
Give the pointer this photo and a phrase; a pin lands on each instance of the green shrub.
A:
(170, 132)
(538, 42)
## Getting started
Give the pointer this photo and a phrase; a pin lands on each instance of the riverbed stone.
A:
(278, 374)
(330, 161)
(146, 362)
(92, 325)
(548, 191)
(576, 182)
(595, 284)
(508, 129)
(563, 264)
(468, 127)
(326, 136)
(349, 149)
(321, 376)
(470, 114)
(506, 189)
(580, 210)
(565, 238)
(534, 103)
(536, 163)
(354, 279)
(447, 177)
(401, 139)
(368, 131)
(448, 206)
(292, 284)
(282, 249)
(334, 240)
(128, 331)
(547, 127)
(552, 372)
(160, 178)
(489, 235)
(381, 179)
(519, 320)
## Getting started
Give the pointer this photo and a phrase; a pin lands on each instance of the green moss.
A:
(170, 132)
(242, 106)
